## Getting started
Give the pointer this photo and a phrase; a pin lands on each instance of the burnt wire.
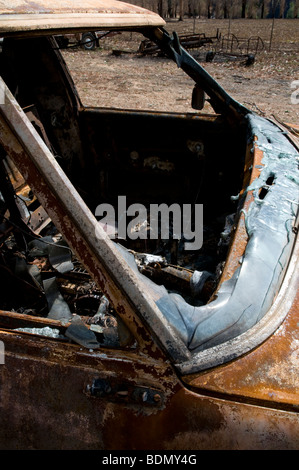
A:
(36, 237)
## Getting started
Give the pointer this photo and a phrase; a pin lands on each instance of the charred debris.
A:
(39, 275)
(42, 280)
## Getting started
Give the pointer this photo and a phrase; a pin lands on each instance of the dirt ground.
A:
(134, 81)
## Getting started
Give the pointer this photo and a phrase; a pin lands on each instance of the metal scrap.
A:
(47, 276)
(197, 284)
(81, 334)
(45, 331)
(234, 48)
(102, 311)
(58, 308)
(60, 257)
(188, 41)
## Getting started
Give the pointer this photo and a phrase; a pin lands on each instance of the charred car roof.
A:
(49, 17)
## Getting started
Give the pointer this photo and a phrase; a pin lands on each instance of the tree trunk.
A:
(160, 7)
(225, 10)
(262, 10)
(244, 4)
(181, 10)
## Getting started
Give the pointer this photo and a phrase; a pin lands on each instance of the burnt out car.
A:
(115, 334)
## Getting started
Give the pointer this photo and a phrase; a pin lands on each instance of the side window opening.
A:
(184, 160)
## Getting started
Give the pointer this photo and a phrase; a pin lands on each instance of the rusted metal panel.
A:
(68, 397)
(76, 417)
(227, 425)
(270, 372)
(49, 16)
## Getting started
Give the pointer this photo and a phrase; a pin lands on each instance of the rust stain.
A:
(270, 373)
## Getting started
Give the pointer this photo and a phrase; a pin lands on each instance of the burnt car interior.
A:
(106, 153)
(147, 157)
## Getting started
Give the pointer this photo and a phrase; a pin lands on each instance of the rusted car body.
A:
(104, 347)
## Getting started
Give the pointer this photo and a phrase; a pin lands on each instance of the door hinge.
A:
(125, 392)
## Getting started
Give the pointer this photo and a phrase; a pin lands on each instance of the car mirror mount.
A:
(198, 97)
